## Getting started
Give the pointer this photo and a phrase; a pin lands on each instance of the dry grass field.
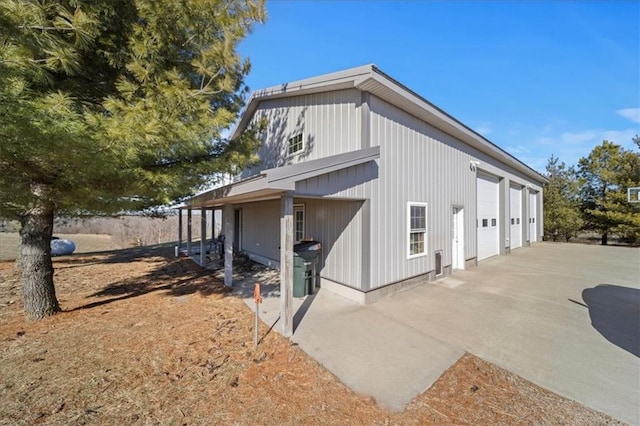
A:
(145, 338)
(85, 243)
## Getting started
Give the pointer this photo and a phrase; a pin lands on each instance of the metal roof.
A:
(369, 78)
(271, 183)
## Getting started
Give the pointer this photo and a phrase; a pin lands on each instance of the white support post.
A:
(179, 229)
(203, 236)
(214, 236)
(213, 224)
(227, 219)
(189, 232)
(286, 264)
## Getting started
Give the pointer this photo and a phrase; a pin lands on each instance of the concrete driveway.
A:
(564, 316)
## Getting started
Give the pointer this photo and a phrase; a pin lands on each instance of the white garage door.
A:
(533, 235)
(515, 227)
(488, 234)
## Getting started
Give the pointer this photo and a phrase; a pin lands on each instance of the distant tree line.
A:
(135, 230)
(593, 195)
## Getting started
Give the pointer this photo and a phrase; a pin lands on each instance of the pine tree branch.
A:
(202, 85)
(177, 162)
(205, 92)
(43, 28)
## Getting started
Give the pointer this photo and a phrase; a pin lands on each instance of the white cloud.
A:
(536, 163)
(632, 114)
(568, 146)
(535, 144)
(577, 138)
(553, 125)
(587, 138)
(516, 150)
(621, 137)
(545, 140)
(484, 129)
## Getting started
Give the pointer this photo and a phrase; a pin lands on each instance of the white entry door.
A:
(533, 226)
(488, 226)
(515, 213)
(457, 238)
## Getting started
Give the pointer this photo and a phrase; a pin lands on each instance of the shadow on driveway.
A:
(615, 313)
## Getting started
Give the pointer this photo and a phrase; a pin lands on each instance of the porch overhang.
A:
(278, 183)
(272, 183)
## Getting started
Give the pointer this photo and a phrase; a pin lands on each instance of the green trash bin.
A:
(310, 251)
(301, 276)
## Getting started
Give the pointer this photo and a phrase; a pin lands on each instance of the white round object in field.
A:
(62, 247)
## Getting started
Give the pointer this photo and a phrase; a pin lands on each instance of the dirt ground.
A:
(148, 339)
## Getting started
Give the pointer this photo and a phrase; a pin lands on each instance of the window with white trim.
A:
(298, 222)
(295, 144)
(417, 221)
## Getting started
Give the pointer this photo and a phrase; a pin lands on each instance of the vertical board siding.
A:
(261, 228)
(420, 163)
(351, 182)
(329, 123)
(336, 224)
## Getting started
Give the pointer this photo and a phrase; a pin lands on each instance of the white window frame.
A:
(299, 208)
(409, 231)
(294, 153)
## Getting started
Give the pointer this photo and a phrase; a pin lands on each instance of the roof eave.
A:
(452, 125)
(270, 183)
(371, 79)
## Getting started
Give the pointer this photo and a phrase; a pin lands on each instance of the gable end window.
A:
(295, 144)
(417, 221)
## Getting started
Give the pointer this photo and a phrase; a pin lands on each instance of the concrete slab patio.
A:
(564, 316)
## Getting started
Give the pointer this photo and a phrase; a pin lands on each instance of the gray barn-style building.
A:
(395, 189)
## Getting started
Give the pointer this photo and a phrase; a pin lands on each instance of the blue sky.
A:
(536, 78)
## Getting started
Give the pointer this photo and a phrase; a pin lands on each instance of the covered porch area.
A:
(275, 189)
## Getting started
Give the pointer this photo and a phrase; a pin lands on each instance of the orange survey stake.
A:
(256, 294)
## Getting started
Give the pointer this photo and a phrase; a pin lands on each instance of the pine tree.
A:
(561, 204)
(113, 106)
(605, 176)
